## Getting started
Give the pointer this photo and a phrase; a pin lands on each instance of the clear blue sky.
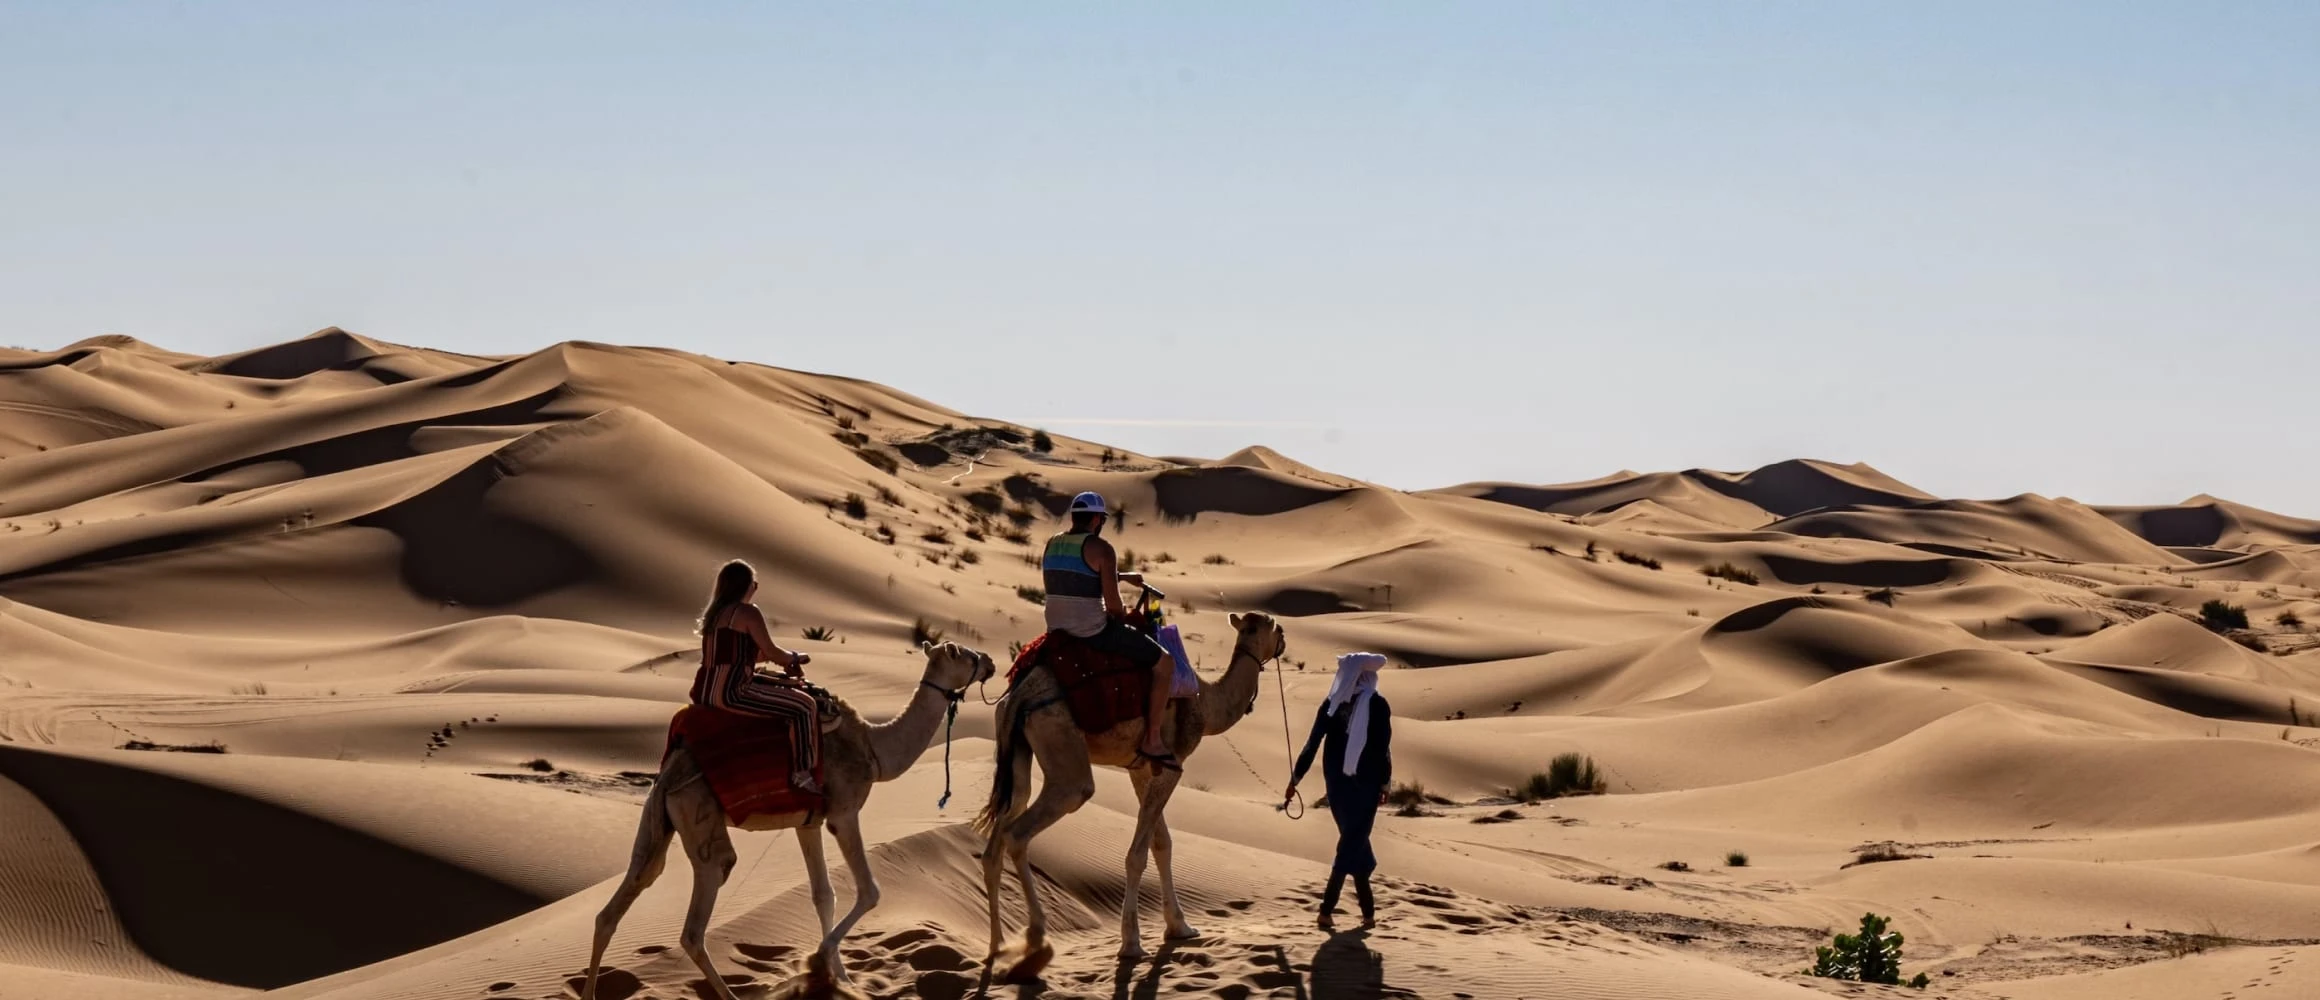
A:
(1990, 248)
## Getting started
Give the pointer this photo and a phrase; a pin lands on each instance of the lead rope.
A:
(950, 717)
(1288, 755)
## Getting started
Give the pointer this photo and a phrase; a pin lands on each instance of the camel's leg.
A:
(1068, 782)
(645, 862)
(1179, 929)
(1151, 797)
(701, 822)
(848, 830)
(817, 872)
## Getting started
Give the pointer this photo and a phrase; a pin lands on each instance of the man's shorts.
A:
(1118, 639)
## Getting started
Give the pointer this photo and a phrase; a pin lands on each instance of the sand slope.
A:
(398, 632)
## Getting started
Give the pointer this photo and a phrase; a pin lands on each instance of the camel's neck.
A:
(1225, 701)
(898, 742)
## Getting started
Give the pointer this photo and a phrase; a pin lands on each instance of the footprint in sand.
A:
(611, 984)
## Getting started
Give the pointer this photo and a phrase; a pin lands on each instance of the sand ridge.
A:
(338, 668)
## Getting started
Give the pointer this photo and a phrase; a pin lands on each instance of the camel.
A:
(855, 756)
(1034, 722)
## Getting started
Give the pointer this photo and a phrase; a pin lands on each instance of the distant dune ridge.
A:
(337, 669)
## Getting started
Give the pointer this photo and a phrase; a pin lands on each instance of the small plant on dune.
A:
(886, 533)
(540, 764)
(1041, 443)
(1692, 612)
(852, 439)
(2220, 615)
(1032, 594)
(1022, 515)
(1163, 559)
(1406, 794)
(1591, 551)
(878, 460)
(253, 688)
(888, 497)
(1736, 859)
(2179, 944)
(974, 533)
(1129, 561)
(1878, 853)
(1675, 866)
(1501, 816)
(856, 507)
(1548, 549)
(1881, 595)
(1015, 535)
(923, 633)
(1872, 956)
(936, 536)
(2289, 620)
(970, 556)
(1215, 559)
(818, 633)
(1567, 774)
(1727, 571)
(1817, 589)
(1108, 457)
(1632, 559)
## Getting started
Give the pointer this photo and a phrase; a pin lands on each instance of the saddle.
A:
(1101, 689)
(747, 760)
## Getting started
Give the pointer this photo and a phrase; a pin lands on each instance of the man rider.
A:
(1083, 598)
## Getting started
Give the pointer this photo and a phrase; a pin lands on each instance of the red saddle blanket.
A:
(745, 758)
(1102, 690)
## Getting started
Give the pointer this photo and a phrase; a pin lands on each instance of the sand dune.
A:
(396, 633)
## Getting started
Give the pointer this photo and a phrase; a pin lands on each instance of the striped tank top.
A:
(1075, 601)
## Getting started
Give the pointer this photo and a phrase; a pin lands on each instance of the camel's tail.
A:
(1013, 757)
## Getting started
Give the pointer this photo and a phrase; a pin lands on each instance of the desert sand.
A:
(338, 669)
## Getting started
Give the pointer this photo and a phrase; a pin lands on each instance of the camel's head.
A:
(1260, 636)
(953, 667)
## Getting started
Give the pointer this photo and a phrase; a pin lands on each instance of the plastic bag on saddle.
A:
(1187, 683)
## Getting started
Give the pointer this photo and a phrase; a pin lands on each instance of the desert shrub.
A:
(1727, 571)
(2289, 619)
(1567, 774)
(970, 556)
(1591, 550)
(1501, 816)
(974, 533)
(1881, 595)
(1032, 594)
(1736, 859)
(1632, 559)
(1872, 956)
(1109, 456)
(1040, 442)
(2219, 615)
(878, 460)
(1675, 866)
(1693, 612)
(540, 764)
(818, 633)
(1877, 853)
(254, 687)
(923, 633)
(851, 439)
(1015, 535)
(1022, 515)
(1406, 794)
(936, 536)
(856, 507)
(1129, 561)
(888, 497)
(1215, 559)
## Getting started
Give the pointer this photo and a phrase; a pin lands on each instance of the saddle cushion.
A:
(746, 760)
(1102, 690)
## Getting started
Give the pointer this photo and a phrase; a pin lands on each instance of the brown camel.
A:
(855, 756)
(1034, 721)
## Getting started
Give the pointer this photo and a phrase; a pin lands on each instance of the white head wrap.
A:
(1356, 678)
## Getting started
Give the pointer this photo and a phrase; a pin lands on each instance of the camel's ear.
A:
(1235, 620)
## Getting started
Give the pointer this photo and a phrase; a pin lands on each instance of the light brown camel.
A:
(855, 756)
(1034, 721)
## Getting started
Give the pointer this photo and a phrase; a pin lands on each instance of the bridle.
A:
(950, 718)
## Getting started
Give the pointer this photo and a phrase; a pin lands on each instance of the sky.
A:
(1988, 248)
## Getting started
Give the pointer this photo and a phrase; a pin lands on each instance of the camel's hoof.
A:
(1182, 932)
(1132, 952)
(1021, 963)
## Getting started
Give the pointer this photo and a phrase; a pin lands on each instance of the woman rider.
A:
(733, 642)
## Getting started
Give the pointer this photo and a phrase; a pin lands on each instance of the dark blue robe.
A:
(1353, 798)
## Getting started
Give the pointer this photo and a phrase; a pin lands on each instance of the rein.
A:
(950, 718)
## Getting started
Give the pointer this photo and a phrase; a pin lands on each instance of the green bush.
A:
(1736, 859)
(818, 633)
(1872, 956)
(2219, 615)
(1567, 774)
